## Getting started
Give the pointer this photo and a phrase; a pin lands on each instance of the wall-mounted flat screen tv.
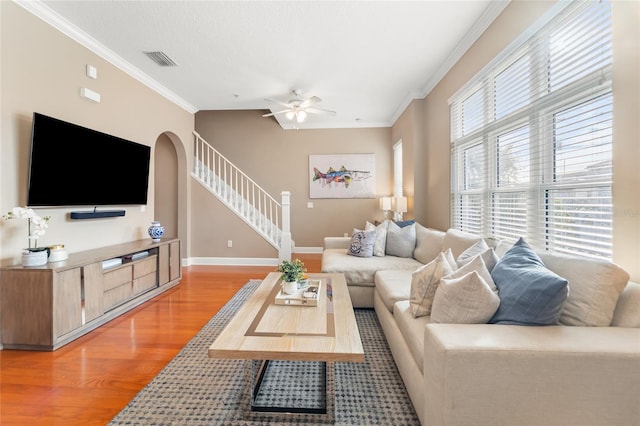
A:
(71, 165)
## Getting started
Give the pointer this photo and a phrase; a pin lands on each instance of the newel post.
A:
(285, 237)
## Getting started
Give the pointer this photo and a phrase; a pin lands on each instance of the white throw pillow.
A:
(475, 265)
(424, 283)
(479, 249)
(380, 244)
(428, 243)
(467, 299)
(448, 254)
(400, 241)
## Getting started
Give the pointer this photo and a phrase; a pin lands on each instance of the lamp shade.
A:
(400, 204)
(385, 203)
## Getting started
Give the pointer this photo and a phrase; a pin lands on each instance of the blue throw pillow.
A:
(530, 294)
(403, 223)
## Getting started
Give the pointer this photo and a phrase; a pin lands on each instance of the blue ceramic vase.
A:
(156, 231)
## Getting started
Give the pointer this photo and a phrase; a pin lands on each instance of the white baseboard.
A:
(244, 261)
(233, 261)
(308, 250)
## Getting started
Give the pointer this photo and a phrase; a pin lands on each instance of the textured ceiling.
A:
(365, 59)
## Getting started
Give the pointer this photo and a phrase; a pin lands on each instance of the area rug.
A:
(196, 390)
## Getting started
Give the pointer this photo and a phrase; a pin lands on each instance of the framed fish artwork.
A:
(342, 176)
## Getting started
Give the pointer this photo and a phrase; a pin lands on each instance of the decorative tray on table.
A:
(306, 295)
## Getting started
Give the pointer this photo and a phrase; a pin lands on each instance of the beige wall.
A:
(279, 161)
(43, 71)
(626, 136)
(408, 129)
(433, 150)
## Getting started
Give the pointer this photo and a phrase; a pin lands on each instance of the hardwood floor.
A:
(90, 380)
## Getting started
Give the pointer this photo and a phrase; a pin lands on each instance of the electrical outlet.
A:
(229, 243)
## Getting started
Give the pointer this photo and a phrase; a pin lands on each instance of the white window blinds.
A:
(532, 138)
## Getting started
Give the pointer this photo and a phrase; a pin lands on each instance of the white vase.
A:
(290, 287)
(34, 258)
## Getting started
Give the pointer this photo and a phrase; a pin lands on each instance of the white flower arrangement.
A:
(37, 225)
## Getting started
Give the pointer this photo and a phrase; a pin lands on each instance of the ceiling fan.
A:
(298, 108)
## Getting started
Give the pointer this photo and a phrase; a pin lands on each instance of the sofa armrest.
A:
(337, 242)
(556, 375)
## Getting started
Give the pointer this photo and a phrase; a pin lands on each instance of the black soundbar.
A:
(96, 214)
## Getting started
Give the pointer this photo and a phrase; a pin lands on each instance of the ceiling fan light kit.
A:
(298, 108)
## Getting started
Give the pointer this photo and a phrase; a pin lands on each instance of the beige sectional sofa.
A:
(583, 374)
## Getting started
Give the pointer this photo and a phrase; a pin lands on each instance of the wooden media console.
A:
(46, 307)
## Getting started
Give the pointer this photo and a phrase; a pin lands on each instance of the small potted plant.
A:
(292, 272)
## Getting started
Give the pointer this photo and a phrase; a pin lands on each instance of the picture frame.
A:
(342, 176)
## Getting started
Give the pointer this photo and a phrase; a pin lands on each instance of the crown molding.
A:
(39, 9)
(489, 15)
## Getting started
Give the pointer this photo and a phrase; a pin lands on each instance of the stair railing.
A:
(240, 193)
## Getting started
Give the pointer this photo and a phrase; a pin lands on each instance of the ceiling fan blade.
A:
(319, 111)
(284, 104)
(277, 112)
(308, 102)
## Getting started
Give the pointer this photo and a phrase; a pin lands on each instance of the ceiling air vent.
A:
(161, 59)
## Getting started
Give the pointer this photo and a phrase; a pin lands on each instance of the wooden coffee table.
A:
(263, 331)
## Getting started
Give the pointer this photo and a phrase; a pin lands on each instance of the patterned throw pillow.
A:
(530, 294)
(424, 283)
(362, 243)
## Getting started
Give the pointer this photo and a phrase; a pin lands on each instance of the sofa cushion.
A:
(464, 300)
(412, 330)
(627, 313)
(401, 241)
(381, 237)
(392, 286)
(530, 294)
(458, 241)
(480, 248)
(424, 283)
(595, 286)
(360, 270)
(428, 243)
(362, 243)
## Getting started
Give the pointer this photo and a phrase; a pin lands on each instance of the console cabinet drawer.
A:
(117, 295)
(145, 267)
(144, 282)
(116, 277)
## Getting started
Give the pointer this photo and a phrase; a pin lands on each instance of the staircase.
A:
(268, 217)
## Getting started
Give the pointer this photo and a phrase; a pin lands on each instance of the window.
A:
(397, 169)
(532, 137)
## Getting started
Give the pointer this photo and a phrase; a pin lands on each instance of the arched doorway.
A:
(166, 185)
